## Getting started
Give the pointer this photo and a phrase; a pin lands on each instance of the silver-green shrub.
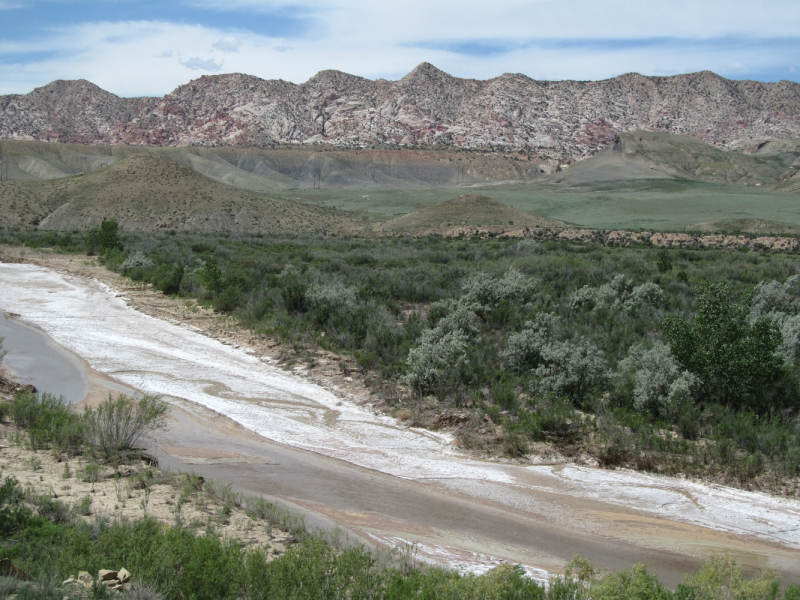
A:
(524, 349)
(571, 368)
(654, 380)
(781, 303)
(436, 364)
(490, 292)
(526, 246)
(137, 261)
(458, 316)
(775, 298)
(643, 296)
(618, 294)
(563, 367)
(334, 294)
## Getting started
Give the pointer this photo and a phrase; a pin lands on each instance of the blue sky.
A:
(149, 47)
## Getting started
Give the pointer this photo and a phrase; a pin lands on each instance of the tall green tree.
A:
(103, 239)
(211, 275)
(734, 359)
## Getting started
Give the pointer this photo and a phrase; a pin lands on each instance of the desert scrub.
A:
(495, 325)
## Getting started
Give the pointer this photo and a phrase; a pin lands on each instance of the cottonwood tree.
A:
(735, 359)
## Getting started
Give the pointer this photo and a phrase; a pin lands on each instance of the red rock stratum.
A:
(427, 107)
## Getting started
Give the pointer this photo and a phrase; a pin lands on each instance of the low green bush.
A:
(48, 420)
(117, 424)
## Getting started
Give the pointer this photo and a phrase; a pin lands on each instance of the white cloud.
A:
(228, 43)
(530, 19)
(199, 64)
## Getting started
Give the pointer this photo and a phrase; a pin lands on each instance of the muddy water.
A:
(34, 358)
(238, 419)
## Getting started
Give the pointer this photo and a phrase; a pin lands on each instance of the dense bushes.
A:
(48, 421)
(652, 381)
(644, 339)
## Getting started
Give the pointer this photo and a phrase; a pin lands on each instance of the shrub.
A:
(228, 299)
(211, 275)
(168, 279)
(103, 239)
(116, 425)
(137, 261)
(48, 420)
(780, 302)
(524, 349)
(619, 294)
(526, 246)
(293, 295)
(438, 361)
(571, 368)
(653, 380)
(722, 577)
(454, 315)
(647, 295)
(553, 419)
(489, 292)
(775, 298)
(664, 261)
(13, 511)
(331, 295)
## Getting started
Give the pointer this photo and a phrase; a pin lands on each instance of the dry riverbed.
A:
(313, 436)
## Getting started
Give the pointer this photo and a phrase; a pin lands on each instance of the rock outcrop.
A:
(562, 120)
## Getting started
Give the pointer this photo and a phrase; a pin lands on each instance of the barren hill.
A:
(653, 155)
(270, 169)
(146, 192)
(562, 120)
(465, 214)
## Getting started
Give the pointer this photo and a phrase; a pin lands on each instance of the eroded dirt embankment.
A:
(611, 237)
(662, 240)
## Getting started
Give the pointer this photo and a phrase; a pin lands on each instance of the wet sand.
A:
(33, 358)
(237, 419)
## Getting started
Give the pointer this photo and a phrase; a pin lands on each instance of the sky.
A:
(149, 47)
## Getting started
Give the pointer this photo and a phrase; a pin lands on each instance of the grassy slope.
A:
(649, 183)
(658, 205)
(465, 213)
(145, 192)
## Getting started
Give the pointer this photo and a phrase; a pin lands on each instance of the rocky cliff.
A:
(555, 119)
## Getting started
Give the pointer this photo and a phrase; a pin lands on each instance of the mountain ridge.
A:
(555, 119)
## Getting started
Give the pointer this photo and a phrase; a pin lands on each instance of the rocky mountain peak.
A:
(562, 120)
(424, 72)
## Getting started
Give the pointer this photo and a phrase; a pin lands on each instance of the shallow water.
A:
(35, 359)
